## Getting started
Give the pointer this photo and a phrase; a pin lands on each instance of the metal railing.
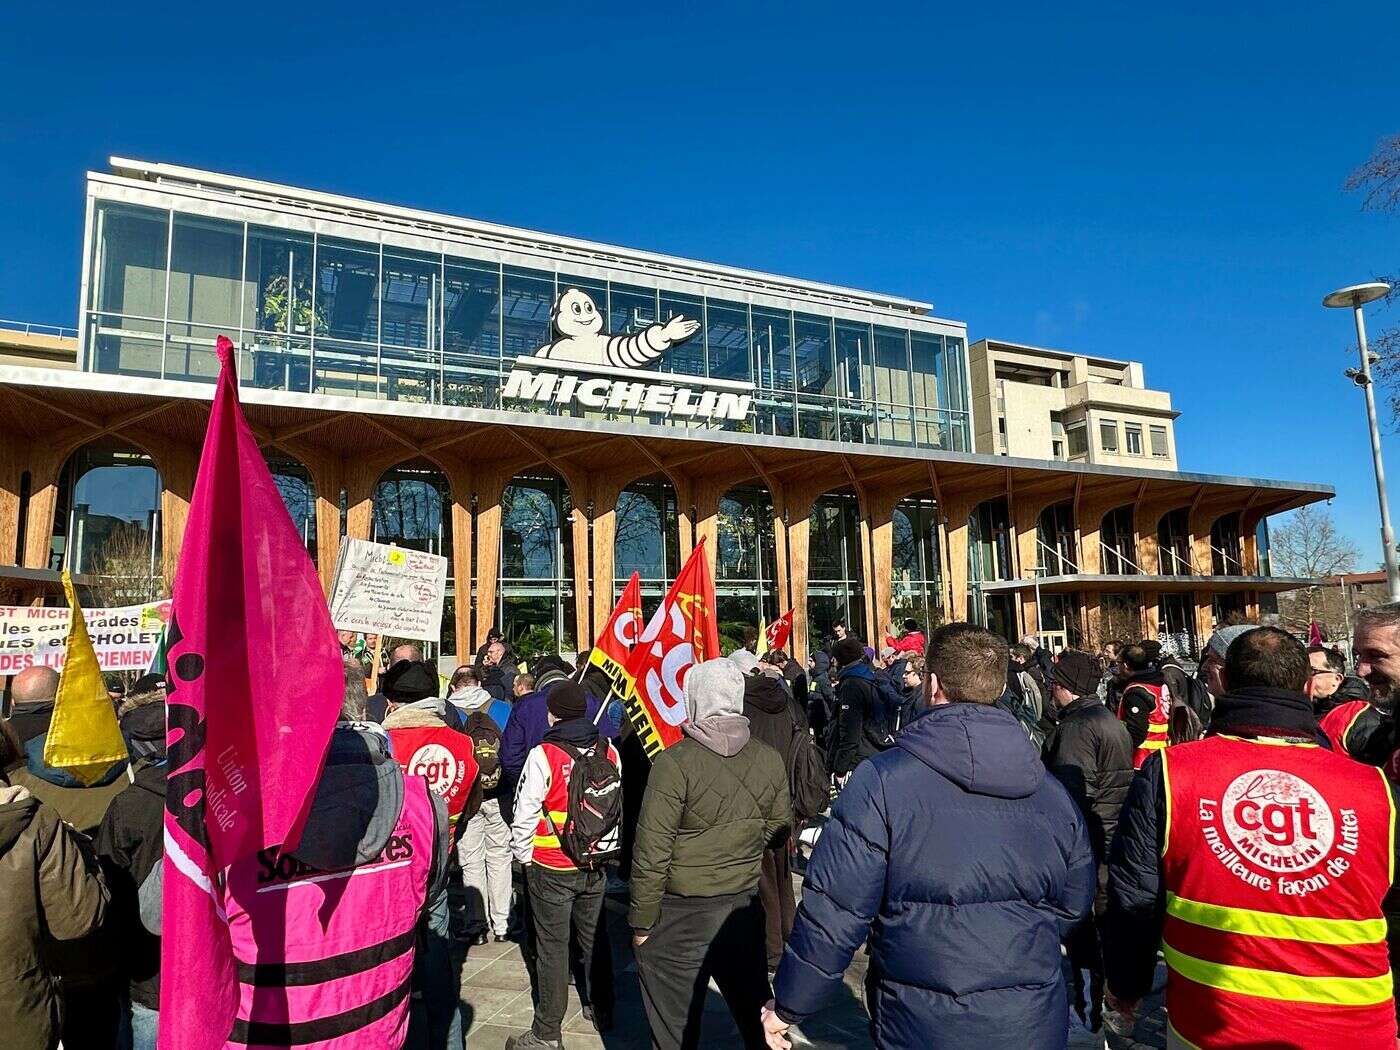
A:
(1228, 560)
(30, 328)
(1113, 554)
(1180, 566)
(1060, 559)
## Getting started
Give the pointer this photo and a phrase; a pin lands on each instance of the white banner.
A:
(382, 589)
(125, 638)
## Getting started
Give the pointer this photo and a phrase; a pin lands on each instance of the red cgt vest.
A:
(443, 757)
(1158, 720)
(1277, 858)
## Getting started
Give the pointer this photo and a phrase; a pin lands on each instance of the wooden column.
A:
(1151, 615)
(176, 463)
(1205, 617)
(799, 500)
(488, 552)
(880, 582)
(1199, 522)
(14, 453)
(44, 468)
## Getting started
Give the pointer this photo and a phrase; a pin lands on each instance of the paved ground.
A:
(496, 1004)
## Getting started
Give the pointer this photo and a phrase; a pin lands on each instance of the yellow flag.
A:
(762, 646)
(84, 738)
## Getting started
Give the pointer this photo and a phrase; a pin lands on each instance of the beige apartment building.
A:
(1036, 403)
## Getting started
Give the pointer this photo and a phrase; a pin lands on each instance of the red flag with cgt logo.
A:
(619, 636)
(779, 631)
(682, 632)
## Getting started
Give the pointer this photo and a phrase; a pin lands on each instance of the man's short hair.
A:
(1335, 662)
(1021, 651)
(1152, 648)
(354, 707)
(970, 663)
(915, 664)
(405, 651)
(1269, 658)
(1135, 658)
(465, 676)
(524, 682)
(911, 624)
(1387, 615)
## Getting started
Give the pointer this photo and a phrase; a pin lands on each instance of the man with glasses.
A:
(1331, 685)
(911, 683)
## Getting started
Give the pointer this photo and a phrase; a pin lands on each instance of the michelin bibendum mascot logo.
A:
(579, 327)
(601, 372)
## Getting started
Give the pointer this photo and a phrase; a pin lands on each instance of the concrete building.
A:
(552, 414)
(1054, 404)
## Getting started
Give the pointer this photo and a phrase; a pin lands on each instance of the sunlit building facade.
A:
(549, 413)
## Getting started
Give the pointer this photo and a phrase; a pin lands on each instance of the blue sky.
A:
(1121, 181)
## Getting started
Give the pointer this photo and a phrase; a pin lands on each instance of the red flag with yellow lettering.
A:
(779, 631)
(683, 632)
(619, 636)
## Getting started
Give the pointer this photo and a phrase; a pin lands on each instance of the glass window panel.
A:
(471, 334)
(816, 418)
(640, 540)
(896, 425)
(277, 284)
(1132, 434)
(1108, 435)
(930, 381)
(956, 361)
(346, 369)
(129, 345)
(892, 366)
(409, 291)
(190, 352)
(689, 357)
(131, 258)
(853, 360)
(346, 289)
(737, 539)
(630, 309)
(412, 509)
(525, 305)
(108, 516)
(206, 271)
(727, 339)
(812, 345)
(772, 341)
(1159, 440)
(298, 494)
(531, 519)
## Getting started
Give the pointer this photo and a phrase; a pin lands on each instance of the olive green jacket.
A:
(705, 823)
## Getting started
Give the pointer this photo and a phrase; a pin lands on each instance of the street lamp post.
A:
(1356, 296)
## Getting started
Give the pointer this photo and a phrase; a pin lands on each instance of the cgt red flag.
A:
(619, 635)
(682, 632)
(779, 631)
(255, 686)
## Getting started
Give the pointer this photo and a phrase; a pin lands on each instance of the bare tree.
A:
(1308, 545)
(1378, 179)
(123, 573)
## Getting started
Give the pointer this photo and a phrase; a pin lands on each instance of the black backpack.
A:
(486, 743)
(808, 780)
(593, 816)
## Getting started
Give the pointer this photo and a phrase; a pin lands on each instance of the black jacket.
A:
(1090, 753)
(859, 728)
(1136, 896)
(130, 843)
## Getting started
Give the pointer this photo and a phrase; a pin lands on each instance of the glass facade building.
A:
(316, 313)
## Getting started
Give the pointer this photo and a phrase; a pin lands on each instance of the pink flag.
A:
(1314, 633)
(255, 684)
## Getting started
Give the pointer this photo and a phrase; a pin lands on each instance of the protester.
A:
(563, 897)
(821, 703)
(1090, 753)
(1212, 669)
(51, 890)
(912, 692)
(1258, 863)
(378, 704)
(967, 861)
(523, 685)
(79, 805)
(910, 640)
(1145, 704)
(349, 913)
(131, 845)
(1024, 669)
(1368, 730)
(859, 728)
(1040, 659)
(529, 719)
(497, 674)
(1331, 685)
(483, 851)
(716, 801)
(776, 720)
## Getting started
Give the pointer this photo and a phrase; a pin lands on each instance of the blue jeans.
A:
(138, 1027)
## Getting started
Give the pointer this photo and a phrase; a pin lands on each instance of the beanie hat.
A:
(147, 683)
(1076, 671)
(567, 700)
(407, 681)
(847, 651)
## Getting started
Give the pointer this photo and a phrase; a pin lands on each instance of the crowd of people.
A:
(1014, 837)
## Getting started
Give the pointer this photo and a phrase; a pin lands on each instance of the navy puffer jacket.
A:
(971, 864)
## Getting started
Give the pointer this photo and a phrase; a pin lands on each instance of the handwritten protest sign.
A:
(125, 638)
(381, 589)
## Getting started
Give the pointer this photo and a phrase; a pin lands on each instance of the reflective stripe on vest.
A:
(326, 957)
(1158, 720)
(1275, 862)
(547, 851)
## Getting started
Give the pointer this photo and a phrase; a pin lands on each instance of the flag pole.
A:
(374, 667)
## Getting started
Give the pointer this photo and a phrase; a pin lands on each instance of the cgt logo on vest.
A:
(439, 767)
(1277, 820)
